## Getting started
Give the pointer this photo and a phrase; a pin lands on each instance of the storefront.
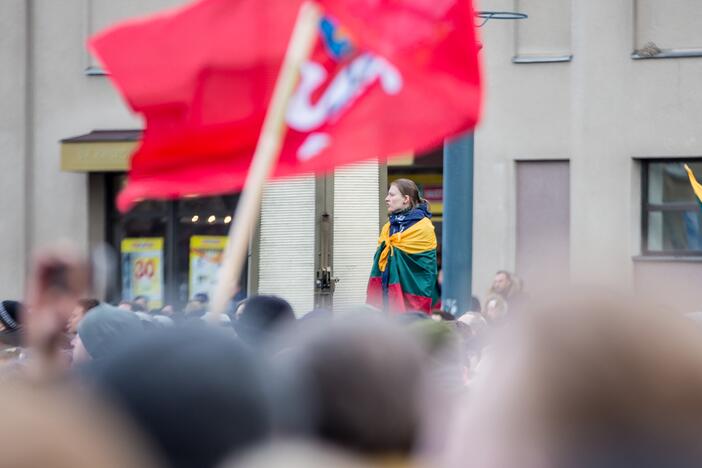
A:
(168, 251)
(314, 244)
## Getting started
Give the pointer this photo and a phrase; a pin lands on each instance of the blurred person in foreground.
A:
(103, 331)
(59, 277)
(298, 454)
(12, 351)
(496, 311)
(11, 329)
(140, 304)
(196, 393)
(353, 383)
(261, 318)
(587, 383)
(84, 306)
(474, 332)
(61, 427)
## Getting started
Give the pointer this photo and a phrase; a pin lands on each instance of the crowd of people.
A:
(577, 382)
(588, 379)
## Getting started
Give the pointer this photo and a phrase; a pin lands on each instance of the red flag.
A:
(406, 77)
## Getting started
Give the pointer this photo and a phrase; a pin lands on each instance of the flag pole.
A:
(264, 158)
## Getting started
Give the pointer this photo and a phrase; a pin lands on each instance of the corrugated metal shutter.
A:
(356, 228)
(286, 248)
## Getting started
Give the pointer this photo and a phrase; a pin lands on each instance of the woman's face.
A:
(395, 201)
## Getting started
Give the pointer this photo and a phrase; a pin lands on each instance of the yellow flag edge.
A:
(696, 186)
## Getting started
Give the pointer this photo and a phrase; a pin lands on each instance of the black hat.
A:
(10, 326)
(261, 317)
(196, 393)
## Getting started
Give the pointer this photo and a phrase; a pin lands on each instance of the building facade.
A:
(591, 107)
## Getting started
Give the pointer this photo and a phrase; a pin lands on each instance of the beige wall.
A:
(600, 110)
(47, 96)
(13, 146)
(525, 117)
(66, 103)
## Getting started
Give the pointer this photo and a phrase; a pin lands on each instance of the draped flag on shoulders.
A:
(385, 77)
(409, 260)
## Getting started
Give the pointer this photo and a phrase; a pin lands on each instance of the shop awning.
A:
(99, 151)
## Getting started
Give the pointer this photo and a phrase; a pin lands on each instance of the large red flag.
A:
(401, 75)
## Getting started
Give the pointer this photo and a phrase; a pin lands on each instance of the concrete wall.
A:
(14, 145)
(526, 116)
(47, 96)
(601, 110)
(66, 102)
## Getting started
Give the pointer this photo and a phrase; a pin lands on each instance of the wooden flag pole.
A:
(264, 158)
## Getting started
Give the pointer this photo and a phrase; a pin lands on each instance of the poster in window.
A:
(142, 269)
(205, 259)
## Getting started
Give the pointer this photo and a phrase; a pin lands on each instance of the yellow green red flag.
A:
(696, 186)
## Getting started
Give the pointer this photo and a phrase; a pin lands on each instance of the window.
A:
(667, 29)
(671, 217)
(545, 36)
(168, 250)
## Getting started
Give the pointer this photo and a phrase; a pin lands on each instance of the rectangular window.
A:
(667, 29)
(168, 250)
(671, 216)
(545, 36)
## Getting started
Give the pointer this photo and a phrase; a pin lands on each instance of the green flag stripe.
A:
(415, 272)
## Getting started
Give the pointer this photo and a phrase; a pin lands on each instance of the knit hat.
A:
(10, 312)
(105, 328)
(195, 392)
(261, 318)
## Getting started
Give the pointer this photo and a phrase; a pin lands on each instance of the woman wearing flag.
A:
(404, 273)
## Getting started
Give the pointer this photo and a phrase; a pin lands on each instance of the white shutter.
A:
(356, 229)
(286, 248)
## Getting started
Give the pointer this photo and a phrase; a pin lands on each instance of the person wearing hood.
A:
(404, 273)
(102, 331)
(197, 394)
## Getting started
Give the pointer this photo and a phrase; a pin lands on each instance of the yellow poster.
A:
(205, 259)
(142, 269)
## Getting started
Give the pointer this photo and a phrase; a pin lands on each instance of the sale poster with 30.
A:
(142, 269)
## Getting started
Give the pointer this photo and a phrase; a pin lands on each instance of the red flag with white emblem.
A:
(385, 77)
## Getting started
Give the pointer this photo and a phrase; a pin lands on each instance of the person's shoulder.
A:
(424, 223)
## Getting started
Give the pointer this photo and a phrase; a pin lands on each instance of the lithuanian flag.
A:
(409, 258)
(696, 186)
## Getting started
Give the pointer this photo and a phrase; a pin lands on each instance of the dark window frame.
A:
(170, 213)
(647, 208)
